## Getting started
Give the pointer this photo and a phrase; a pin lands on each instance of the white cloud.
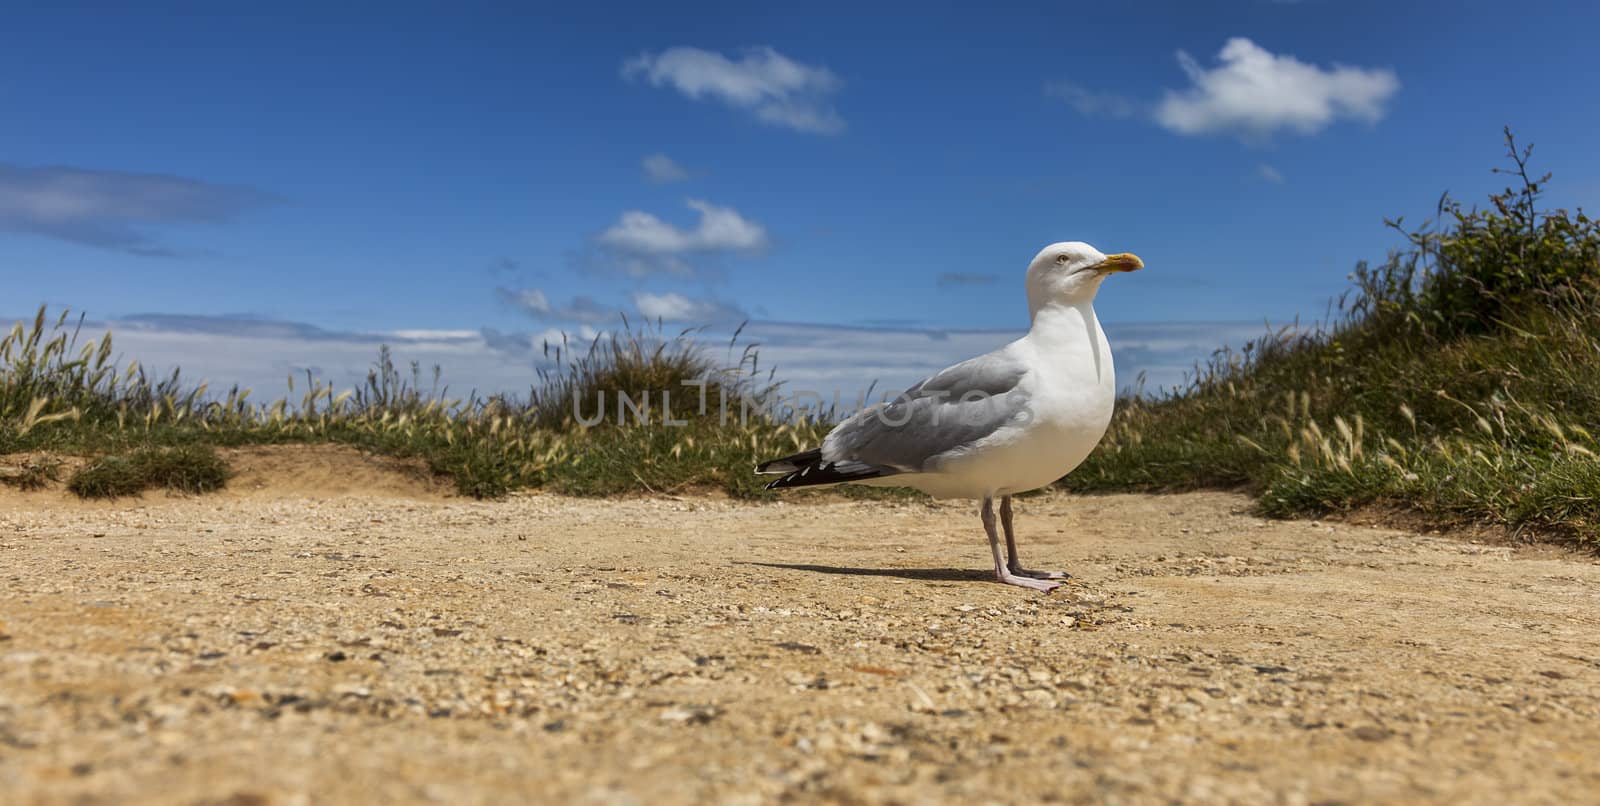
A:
(719, 228)
(675, 307)
(777, 89)
(1270, 174)
(642, 244)
(1255, 92)
(661, 169)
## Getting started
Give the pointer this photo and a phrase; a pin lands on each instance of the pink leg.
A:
(1013, 564)
(1001, 572)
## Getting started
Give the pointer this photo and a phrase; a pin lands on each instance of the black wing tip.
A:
(807, 468)
(828, 473)
(790, 464)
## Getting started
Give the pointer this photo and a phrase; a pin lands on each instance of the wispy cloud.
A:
(1252, 93)
(533, 302)
(1255, 92)
(952, 279)
(229, 324)
(566, 336)
(848, 359)
(662, 169)
(776, 89)
(669, 306)
(641, 244)
(1269, 174)
(513, 344)
(259, 354)
(1091, 103)
(523, 344)
(504, 266)
(821, 358)
(111, 209)
(675, 307)
(528, 300)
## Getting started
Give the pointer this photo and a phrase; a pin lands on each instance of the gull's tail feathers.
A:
(808, 469)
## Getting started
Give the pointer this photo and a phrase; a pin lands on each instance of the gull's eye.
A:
(1061, 260)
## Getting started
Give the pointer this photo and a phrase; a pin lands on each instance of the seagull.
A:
(991, 427)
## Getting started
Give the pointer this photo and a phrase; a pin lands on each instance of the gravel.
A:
(256, 648)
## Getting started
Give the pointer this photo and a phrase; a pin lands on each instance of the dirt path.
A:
(250, 648)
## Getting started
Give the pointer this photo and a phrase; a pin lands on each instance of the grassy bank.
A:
(1458, 385)
(60, 393)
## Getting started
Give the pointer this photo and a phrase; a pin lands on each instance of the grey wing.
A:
(941, 415)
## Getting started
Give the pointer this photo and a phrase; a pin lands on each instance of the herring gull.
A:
(991, 427)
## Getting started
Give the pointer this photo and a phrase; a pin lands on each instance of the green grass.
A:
(60, 394)
(1457, 385)
(187, 469)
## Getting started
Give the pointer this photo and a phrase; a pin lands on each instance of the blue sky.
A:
(492, 174)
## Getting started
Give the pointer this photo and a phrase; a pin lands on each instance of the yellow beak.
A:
(1126, 261)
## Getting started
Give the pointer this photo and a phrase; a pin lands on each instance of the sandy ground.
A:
(344, 633)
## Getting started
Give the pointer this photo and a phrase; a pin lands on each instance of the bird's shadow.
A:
(919, 574)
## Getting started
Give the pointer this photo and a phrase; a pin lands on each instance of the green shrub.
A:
(188, 469)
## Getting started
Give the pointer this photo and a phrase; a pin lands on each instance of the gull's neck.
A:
(1053, 320)
(1070, 334)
